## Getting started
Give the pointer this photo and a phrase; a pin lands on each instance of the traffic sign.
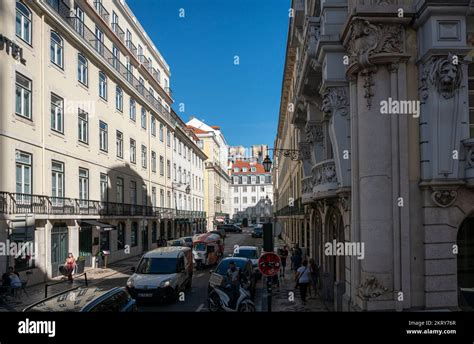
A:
(269, 264)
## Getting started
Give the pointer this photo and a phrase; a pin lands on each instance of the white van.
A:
(161, 274)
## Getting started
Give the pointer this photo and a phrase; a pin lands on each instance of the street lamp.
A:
(293, 154)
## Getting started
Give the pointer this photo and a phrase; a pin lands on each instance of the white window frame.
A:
(103, 136)
(57, 113)
(83, 126)
(57, 49)
(23, 26)
(23, 96)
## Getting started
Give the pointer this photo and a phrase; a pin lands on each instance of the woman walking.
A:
(303, 280)
(70, 266)
(314, 276)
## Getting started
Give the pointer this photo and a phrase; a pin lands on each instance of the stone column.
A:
(374, 50)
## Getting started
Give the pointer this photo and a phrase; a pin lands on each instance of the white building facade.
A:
(86, 136)
(250, 185)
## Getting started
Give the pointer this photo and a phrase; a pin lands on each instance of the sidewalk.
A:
(288, 299)
(94, 276)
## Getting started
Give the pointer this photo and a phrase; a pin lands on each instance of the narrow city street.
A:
(195, 300)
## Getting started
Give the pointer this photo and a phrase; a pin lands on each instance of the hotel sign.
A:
(12, 49)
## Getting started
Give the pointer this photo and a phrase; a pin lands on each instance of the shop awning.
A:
(102, 225)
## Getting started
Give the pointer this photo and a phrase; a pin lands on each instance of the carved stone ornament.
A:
(335, 101)
(444, 198)
(305, 150)
(368, 39)
(313, 133)
(371, 288)
(445, 76)
(345, 201)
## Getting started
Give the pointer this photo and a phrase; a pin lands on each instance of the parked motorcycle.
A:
(219, 300)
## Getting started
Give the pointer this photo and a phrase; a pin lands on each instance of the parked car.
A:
(246, 269)
(86, 299)
(188, 241)
(229, 228)
(161, 274)
(252, 253)
(177, 242)
(257, 232)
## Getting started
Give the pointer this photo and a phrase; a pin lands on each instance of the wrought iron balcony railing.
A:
(132, 47)
(98, 45)
(118, 31)
(101, 10)
(20, 203)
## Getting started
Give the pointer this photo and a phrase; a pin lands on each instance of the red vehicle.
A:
(207, 249)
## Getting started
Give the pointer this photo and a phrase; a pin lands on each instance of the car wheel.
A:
(247, 306)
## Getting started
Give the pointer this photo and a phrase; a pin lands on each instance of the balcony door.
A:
(59, 247)
(85, 244)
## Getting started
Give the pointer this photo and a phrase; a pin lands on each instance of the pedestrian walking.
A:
(297, 257)
(314, 276)
(303, 280)
(70, 266)
(283, 253)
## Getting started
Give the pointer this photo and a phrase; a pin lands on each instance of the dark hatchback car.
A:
(230, 228)
(86, 299)
(246, 268)
(257, 232)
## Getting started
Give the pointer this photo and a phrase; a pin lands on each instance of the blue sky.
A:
(200, 48)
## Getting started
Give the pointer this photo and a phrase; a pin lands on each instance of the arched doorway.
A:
(162, 229)
(335, 231)
(169, 232)
(465, 263)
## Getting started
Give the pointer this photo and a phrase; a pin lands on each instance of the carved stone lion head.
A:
(446, 76)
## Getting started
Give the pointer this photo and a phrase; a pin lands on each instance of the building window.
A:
(471, 99)
(144, 195)
(102, 86)
(119, 144)
(153, 196)
(119, 99)
(162, 166)
(57, 113)
(23, 96)
(134, 234)
(254, 189)
(23, 22)
(179, 147)
(57, 180)
(153, 125)
(23, 174)
(244, 200)
(236, 180)
(236, 189)
(57, 49)
(168, 199)
(116, 57)
(83, 126)
(262, 188)
(174, 143)
(161, 132)
(133, 110)
(83, 186)
(168, 169)
(82, 69)
(99, 40)
(121, 236)
(79, 21)
(133, 192)
(253, 179)
(162, 198)
(104, 187)
(174, 172)
(244, 189)
(120, 194)
(143, 156)
(268, 179)
(254, 199)
(103, 135)
(253, 169)
(153, 161)
(143, 118)
(133, 151)
(244, 169)
(168, 137)
(236, 200)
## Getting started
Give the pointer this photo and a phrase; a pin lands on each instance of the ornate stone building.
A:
(378, 97)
